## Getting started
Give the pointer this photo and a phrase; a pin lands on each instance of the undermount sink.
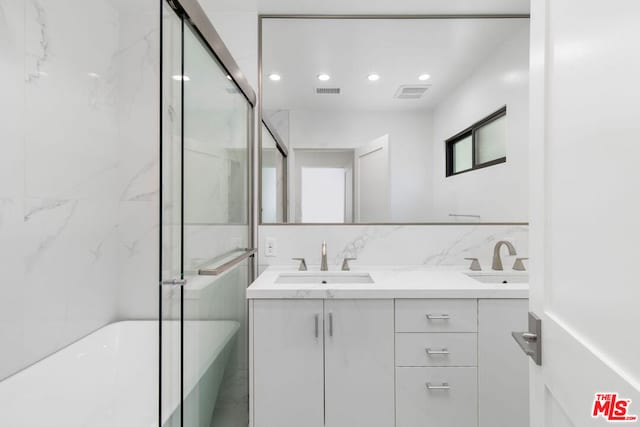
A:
(323, 278)
(501, 278)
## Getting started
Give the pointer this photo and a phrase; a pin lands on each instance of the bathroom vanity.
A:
(385, 347)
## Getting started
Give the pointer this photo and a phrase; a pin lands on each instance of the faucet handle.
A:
(345, 264)
(475, 264)
(519, 265)
(303, 264)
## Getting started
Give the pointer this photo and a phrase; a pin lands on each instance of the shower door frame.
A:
(191, 12)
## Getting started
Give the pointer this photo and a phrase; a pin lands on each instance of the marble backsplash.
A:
(443, 246)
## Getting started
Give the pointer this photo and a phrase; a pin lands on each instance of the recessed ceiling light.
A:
(373, 77)
(424, 77)
(324, 77)
(179, 77)
(229, 77)
(274, 77)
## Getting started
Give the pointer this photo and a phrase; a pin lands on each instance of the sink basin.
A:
(323, 278)
(499, 278)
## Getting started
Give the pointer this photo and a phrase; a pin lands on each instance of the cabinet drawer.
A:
(433, 349)
(452, 400)
(436, 315)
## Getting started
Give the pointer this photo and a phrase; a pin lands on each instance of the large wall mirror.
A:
(394, 120)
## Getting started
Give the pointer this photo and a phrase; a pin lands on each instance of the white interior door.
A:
(585, 219)
(372, 186)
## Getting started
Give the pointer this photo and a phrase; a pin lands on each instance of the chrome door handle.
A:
(330, 324)
(443, 386)
(317, 322)
(443, 316)
(174, 282)
(531, 341)
(431, 351)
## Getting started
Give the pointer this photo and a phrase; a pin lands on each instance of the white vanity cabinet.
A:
(343, 376)
(385, 363)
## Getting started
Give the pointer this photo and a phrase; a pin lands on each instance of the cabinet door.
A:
(359, 368)
(503, 372)
(288, 363)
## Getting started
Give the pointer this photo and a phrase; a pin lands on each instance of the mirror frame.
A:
(262, 17)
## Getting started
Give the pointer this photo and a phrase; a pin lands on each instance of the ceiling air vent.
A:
(411, 91)
(328, 91)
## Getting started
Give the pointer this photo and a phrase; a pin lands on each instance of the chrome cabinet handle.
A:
(443, 316)
(330, 324)
(431, 351)
(317, 322)
(442, 386)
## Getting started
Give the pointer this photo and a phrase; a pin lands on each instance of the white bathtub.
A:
(110, 378)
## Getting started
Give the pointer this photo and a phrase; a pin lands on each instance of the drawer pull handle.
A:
(431, 351)
(438, 317)
(443, 386)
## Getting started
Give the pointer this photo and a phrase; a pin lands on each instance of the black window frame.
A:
(472, 131)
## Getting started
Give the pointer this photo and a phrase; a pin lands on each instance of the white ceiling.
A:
(399, 50)
(391, 6)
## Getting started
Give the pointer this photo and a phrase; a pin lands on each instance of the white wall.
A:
(409, 142)
(78, 191)
(497, 193)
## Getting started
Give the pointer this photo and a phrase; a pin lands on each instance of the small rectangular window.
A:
(463, 154)
(482, 144)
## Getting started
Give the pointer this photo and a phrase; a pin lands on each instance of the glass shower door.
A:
(216, 241)
(206, 235)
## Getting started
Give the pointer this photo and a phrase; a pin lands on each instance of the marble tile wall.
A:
(442, 246)
(78, 170)
(139, 183)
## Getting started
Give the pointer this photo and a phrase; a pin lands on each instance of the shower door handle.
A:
(246, 253)
(174, 282)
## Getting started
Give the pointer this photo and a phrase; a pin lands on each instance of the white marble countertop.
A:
(388, 282)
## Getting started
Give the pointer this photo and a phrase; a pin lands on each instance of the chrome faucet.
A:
(497, 261)
(323, 264)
